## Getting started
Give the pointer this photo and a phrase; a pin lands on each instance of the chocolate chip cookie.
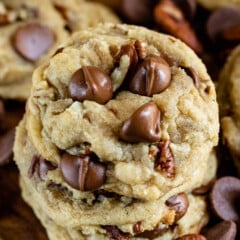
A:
(228, 97)
(30, 34)
(213, 4)
(119, 125)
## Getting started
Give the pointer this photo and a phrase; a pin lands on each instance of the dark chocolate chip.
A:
(221, 20)
(188, 7)
(165, 162)
(115, 233)
(152, 234)
(152, 77)
(83, 172)
(143, 125)
(40, 166)
(193, 74)
(225, 197)
(179, 203)
(191, 237)
(225, 230)
(138, 12)
(6, 146)
(32, 40)
(204, 189)
(90, 83)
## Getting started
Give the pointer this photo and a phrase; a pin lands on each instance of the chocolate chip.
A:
(188, 7)
(164, 161)
(193, 74)
(114, 232)
(90, 83)
(152, 77)
(32, 40)
(40, 166)
(83, 172)
(192, 237)
(151, 234)
(179, 203)
(143, 125)
(225, 230)
(221, 20)
(225, 197)
(6, 146)
(138, 12)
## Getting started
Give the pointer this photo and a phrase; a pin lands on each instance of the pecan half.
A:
(171, 19)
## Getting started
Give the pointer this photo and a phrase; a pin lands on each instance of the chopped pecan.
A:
(164, 161)
(171, 19)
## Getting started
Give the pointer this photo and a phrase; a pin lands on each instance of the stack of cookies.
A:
(117, 138)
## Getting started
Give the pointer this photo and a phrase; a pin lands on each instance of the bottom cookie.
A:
(192, 222)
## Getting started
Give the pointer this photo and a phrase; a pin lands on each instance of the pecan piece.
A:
(164, 161)
(170, 18)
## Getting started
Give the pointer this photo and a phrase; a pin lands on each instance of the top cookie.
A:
(229, 103)
(29, 34)
(213, 4)
(137, 105)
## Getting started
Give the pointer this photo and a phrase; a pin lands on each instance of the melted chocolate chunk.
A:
(179, 203)
(164, 161)
(225, 197)
(143, 125)
(152, 76)
(225, 230)
(114, 233)
(32, 40)
(40, 166)
(192, 73)
(192, 237)
(156, 232)
(83, 172)
(90, 83)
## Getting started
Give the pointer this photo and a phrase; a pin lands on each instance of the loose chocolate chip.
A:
(225, 197)
(152, 234)
(90, 83)
(114, 232)
(193, 74)
(225, 230)
(179, 203)
(221, 20)
(138, 12)
(40, 166)
(188, 7)
(83, 172)
(164, 161)
(32, 40)
(143, 125)
(6, 147)
(152, 77)
(192, 237)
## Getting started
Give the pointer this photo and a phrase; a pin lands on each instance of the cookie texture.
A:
(213, 4)
(119, 126)
(229, 102)
(29, 34)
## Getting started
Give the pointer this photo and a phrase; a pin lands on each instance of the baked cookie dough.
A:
(119, 121)
(29, 34)
(229, 104)
(213, 4)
